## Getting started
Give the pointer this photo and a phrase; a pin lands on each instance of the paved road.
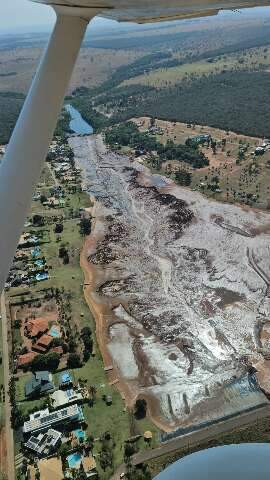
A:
(8, 429)
(191, 439)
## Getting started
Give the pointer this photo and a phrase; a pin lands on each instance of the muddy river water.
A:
(178, 285)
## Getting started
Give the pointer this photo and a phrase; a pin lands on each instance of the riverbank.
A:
(163, 317)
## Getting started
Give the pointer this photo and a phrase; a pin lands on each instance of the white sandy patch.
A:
(121, 350)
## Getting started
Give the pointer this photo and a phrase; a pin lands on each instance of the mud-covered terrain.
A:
(179, 286)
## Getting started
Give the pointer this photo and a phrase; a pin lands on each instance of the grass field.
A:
(252, 59)
(93, 66)
(246, 181)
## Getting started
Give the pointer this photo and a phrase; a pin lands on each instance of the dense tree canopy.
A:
(129, 134)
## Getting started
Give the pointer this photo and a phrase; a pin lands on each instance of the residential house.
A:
(35, 327)
(28, 240)
(61, 398)
(45, 443)
(42, 345)
(40, 383)
(25, 359)
(43, 420)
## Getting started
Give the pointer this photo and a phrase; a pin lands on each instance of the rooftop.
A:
(89, 463)
(26, 358)
(45, 340)
(43, 419)
(39, 383)
(65, 397)
(36, 326)
(44, 443)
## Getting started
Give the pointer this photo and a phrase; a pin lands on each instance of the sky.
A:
(21, 14)
(24, 16)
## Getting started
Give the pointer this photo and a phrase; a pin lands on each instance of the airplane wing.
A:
(142, 11)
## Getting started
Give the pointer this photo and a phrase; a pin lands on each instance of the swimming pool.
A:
(42, 276)
(55, 332)
(80, 434)
(74, 460)
(65, 378)
(35, 252)
(39, 263)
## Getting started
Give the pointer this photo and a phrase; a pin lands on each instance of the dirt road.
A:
(8, 429)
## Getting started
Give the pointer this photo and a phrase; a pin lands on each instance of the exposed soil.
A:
(174, 290)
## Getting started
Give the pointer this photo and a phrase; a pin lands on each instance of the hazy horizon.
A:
(34, 17)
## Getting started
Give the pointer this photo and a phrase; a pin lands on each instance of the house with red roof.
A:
(25, 359)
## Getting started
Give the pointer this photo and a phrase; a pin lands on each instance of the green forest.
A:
(128, 134)
(10, 107)
(235, 101)
(232, 100)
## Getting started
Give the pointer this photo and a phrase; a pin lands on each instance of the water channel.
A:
(77, 123)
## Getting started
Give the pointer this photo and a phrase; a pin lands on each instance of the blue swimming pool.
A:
(80, 434)
(39, 263)
(35, 252)
(65, 378)
(42, 276)
(74, 460)
(55, 332)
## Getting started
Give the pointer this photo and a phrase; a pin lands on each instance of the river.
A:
(77, 123)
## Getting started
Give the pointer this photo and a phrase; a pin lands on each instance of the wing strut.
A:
(28, 146)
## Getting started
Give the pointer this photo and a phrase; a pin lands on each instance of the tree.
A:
(38, 220)
(43, 198)
(58, 228)
(90, 442)
(63, 450)
(62, 251)
(130, 449)
(52, 361)
(85, 226)
(74, 361)
(139, 472)
(66, 258)
(140, 408)
(59, 342)
(87, 340)
(49, 361)
(183, 177)
(106, 459)
(93, 392)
